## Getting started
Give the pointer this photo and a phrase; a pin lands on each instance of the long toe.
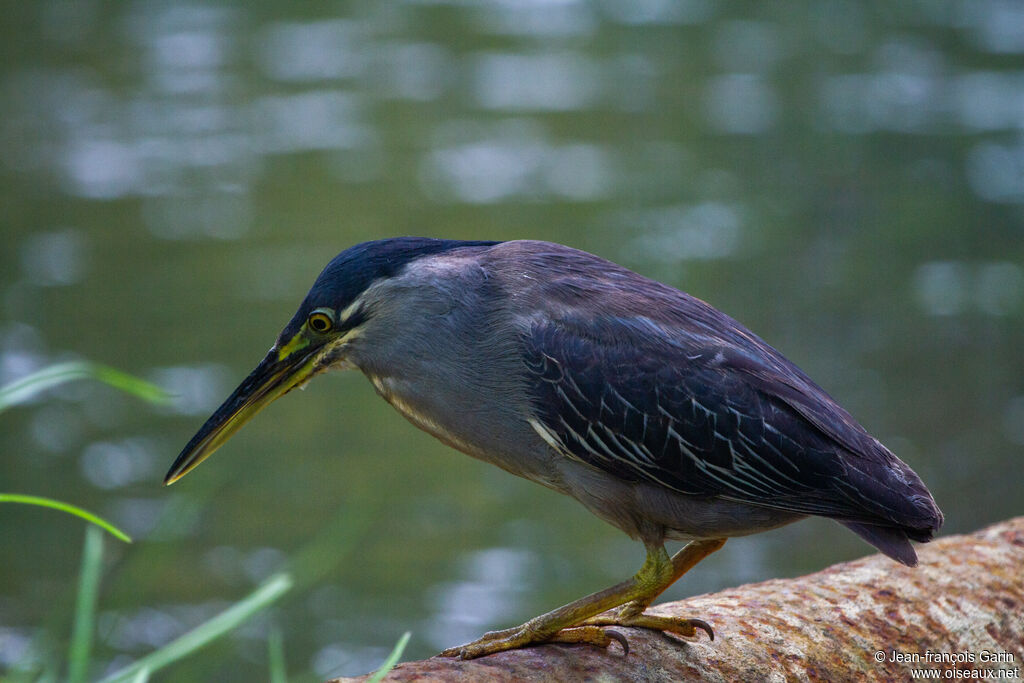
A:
(497, 641)
(591, 635)
(678, 625)
(522, 636)
(498, 636)
(580, 621)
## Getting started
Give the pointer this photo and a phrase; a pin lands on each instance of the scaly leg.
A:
(632, 613)
(578, 617)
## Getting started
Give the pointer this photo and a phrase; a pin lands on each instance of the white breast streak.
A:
(419, 419)
(546, 434)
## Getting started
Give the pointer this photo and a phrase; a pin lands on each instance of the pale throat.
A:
(388, 389)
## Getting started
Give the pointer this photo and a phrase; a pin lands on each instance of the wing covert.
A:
(674, 412)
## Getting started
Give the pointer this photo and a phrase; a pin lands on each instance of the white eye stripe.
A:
(349, 310)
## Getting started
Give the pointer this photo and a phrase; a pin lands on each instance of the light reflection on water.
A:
(53, 259)
(711, 230)
(512, 159)
(847, 181)
(110, 465)
(952, 287)
(492, 584)
(194, 389)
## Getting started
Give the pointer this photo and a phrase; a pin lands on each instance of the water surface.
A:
(845, 178)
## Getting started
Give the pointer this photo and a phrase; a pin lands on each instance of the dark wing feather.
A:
(713, 415)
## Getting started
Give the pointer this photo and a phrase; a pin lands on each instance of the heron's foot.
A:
(502, 635)
(627, 615)
(584, 620)
(525, 636)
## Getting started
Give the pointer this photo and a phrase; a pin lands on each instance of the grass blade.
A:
(275, 654)
(392, 659)
(25, 388)
(271, 590)
(68, 508)
(85, 606)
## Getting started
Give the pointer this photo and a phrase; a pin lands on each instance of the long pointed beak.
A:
(273, 377)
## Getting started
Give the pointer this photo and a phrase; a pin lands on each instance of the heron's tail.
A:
(903, 508)
(892, 541)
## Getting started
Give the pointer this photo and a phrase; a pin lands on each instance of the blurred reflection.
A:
(194, 389)
(741, 104)
(101, 169)
(57, 428)
(941, 287)
(1000, 288)
(537, 18)
(678, 233)
(554, 82)
(148, 628)
(16, 647)
(491, 588)
(997, 25)
(313, 120)
(321, 50)
(1013, 420)
(512, 159)
(996, 172)
(747, 46)
(845, 177)
(22, 351)
(947, 288)
(54, 258)
(110, 465)
(141, 517)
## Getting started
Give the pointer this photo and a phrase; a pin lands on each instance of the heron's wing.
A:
(705, 415)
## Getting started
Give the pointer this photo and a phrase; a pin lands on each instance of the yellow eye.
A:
(319, 321)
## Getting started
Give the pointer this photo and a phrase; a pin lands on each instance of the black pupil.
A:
(319, 323)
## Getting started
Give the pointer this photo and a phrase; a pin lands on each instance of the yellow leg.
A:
(632, 613)
(658, 573)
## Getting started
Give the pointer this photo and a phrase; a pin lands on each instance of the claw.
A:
(620, 639)
(497, 641)
(583, 620)
(683, 627)
(700, 623)
(590, 632)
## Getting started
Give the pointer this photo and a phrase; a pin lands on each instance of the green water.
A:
(845, 178)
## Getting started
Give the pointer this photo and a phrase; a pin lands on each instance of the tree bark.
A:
(960, 613)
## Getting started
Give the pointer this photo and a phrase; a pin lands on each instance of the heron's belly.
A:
(654, 513)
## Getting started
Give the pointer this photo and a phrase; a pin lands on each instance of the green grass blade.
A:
(85, 606)
(275, 654)
(25, 388)
(271, 590)
(392, 659)
(68, 508)
(129, 384)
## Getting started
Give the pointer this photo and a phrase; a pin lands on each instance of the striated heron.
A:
(660, 414)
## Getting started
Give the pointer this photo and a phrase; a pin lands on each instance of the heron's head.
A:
(335, 312)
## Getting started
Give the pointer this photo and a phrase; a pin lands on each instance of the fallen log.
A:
(959, 613)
